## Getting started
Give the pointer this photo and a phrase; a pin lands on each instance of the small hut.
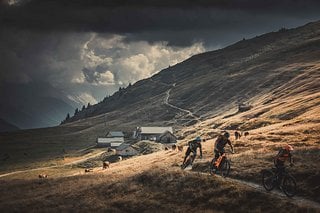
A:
(167, 138)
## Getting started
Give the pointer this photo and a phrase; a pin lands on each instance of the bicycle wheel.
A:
(289, 186)
(187, 163)
(268, 180)
(224, 168)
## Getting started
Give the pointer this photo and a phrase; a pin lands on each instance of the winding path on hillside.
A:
(166, 102)
(188, 112)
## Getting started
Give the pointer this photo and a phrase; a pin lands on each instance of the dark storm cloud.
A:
(179, 22)
(142, 15)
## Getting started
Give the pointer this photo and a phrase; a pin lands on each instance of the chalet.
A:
(126, 150)
(112, 139)
(167, 138)
(152, 133)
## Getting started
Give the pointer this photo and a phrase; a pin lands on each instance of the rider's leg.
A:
(280, 170)
(194, 154)
(216, 154)
(187, 154)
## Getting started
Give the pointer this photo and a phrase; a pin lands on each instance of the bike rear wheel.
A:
(289, 186)
(224, 168)
(268, 180)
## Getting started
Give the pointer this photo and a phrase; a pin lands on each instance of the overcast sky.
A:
(89, 48)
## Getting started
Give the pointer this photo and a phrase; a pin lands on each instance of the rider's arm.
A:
(216, 142)
(200, 147)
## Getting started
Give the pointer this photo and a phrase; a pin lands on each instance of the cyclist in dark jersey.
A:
(220, 143)
(193, 146)
(283, 155)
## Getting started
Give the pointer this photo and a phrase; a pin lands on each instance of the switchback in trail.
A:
(188, 112)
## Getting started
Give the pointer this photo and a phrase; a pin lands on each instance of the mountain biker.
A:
(220, 143)
(192, 147)
(283, 155)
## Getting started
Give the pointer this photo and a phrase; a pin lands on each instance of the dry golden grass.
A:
(288, 115)
(142, 184)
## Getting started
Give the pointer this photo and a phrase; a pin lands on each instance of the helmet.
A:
(226, 134)
(198, 139)
(288, 147)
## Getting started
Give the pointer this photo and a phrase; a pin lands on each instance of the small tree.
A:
(83, 107)
(76, 111)
(68, 117)
(89, 105)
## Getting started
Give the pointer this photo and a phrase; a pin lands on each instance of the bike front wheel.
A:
(213, 168)
(268, 180)
(188, 162)
(289, 186)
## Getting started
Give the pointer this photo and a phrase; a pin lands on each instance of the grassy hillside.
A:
(148, 183)
(277, 74)
(212, 82)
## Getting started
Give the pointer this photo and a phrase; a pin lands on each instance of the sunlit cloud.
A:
(112, 60)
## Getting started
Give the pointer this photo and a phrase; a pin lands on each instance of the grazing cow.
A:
(106, 164)
(237, 135)
(119, 158)
(174, 147)
(43, 176)
(246, 134)
(88, 170)
(166, 148)
(180, 148)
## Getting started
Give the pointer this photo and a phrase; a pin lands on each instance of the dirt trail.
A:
(188, 112)
(166, 102)
(56, 166)
(296, 199)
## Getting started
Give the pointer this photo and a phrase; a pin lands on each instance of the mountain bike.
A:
(271, 179)
(189, 161)
(220, 166)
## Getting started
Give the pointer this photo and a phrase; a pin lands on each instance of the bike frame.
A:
(218, 161)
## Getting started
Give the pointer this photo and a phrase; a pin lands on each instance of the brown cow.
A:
(88, 170)
(106, 164)
(246, 134)
(174, 147)
(43, 176)
(237, 135)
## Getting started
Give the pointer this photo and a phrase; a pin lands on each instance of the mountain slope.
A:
(211, 83)
(24, 112)
(7, 127)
